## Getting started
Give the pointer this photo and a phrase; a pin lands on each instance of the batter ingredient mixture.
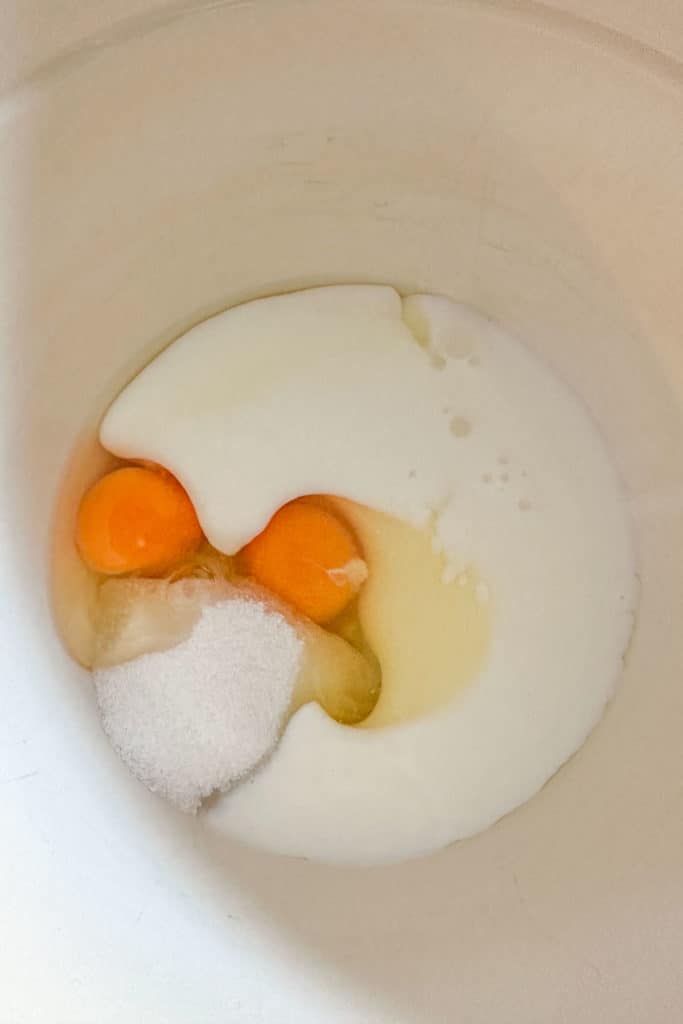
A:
(478, 558)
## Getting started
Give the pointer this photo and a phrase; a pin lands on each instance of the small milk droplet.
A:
(437, 544)
(449, 574)
(460, 427)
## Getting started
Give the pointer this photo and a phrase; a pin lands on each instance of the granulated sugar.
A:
(201, 715)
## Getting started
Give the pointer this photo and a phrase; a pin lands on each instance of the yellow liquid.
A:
(430, 637)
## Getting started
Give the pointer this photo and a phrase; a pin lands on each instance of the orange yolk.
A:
(136, 519)
(308, 557)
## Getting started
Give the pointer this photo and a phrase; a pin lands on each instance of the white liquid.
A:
(328, 391)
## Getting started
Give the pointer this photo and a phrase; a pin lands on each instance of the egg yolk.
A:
(309, 557)
(135, 519)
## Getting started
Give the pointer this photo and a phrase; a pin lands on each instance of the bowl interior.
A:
(479, 150)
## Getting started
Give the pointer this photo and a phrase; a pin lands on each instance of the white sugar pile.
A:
(201, 715)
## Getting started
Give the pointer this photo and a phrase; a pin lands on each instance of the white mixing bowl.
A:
(512, 156)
